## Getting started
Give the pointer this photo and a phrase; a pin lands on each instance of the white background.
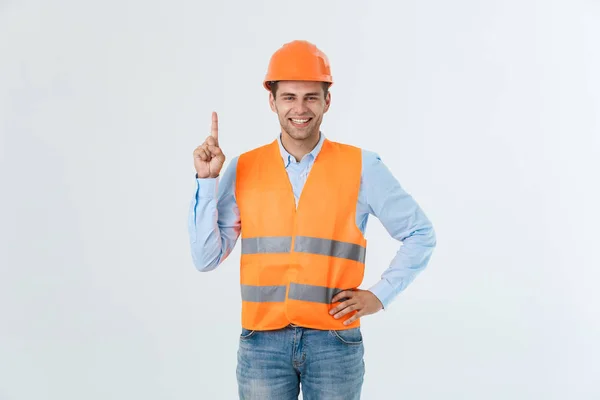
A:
(487, 112)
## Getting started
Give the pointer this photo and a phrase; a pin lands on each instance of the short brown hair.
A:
(274, 84)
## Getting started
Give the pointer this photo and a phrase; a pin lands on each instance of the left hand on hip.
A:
(364, 302)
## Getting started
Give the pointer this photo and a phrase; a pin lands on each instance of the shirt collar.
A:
(288, 158)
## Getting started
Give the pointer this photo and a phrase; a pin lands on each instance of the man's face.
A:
(300, 106)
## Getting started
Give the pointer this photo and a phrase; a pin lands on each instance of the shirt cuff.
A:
(383, 291)
(207, 187)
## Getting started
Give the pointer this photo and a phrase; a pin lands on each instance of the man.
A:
(301, 205)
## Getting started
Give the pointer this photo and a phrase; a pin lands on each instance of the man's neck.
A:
(299, 148)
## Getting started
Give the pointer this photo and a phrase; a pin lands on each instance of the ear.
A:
(272, 102)
(327, 102)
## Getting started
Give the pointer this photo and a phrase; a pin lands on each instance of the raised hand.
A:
(208, 157)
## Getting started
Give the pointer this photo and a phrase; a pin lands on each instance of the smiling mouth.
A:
(300, 122)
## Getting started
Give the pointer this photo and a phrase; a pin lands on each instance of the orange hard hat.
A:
(298, 61)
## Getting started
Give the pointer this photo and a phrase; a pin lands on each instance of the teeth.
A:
(299, 121)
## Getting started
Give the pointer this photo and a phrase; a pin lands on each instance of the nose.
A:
(300, 108)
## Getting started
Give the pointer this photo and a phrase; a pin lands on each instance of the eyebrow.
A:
(294, 94)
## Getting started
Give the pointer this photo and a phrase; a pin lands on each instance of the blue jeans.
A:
(328, 364)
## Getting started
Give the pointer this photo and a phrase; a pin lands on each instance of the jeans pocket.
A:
(246, 333)
(351, 337)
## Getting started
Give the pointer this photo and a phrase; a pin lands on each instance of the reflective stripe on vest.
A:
(304, 244)
(264, 294)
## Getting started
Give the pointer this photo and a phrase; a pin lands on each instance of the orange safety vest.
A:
(294, 261)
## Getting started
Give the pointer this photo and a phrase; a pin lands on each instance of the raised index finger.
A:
(214, 129)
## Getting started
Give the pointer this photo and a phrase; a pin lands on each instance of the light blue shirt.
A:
(214, 219)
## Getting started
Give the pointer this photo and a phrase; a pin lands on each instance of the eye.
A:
(312, 98)
(288, 98)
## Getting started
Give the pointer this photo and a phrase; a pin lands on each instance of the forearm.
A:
(412, 257)
(213, 222)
